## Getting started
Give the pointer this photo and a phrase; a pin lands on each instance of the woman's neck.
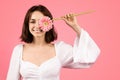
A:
(38, 41)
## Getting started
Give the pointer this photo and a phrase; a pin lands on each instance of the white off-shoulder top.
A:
(82, 54)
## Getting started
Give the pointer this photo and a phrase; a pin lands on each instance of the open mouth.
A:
(38, 30)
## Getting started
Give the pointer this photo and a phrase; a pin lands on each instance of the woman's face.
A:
(34, 24)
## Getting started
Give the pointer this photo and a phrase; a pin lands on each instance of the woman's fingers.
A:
(68, 17)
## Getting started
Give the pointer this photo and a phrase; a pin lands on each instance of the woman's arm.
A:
(83, 53)
(13, 71)
(71, 21)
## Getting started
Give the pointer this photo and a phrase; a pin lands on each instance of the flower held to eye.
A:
(45, 23)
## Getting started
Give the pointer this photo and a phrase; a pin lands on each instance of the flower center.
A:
(46, 23)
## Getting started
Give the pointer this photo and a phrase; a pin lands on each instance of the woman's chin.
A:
(38, 34)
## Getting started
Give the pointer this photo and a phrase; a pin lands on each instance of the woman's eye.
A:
(32, 21)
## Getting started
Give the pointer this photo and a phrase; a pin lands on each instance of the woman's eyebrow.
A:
(32, 19)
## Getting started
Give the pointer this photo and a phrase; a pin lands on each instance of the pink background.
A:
(103, 26)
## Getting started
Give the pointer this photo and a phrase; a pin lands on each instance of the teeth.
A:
(37, 30)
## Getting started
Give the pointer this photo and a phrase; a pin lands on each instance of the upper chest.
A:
(36, 64)
(38, 55)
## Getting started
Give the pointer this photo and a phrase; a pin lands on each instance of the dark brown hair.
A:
(26, 36)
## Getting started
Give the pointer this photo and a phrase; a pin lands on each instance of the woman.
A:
(39, 59)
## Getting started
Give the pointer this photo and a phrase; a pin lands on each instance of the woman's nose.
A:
(37, 24)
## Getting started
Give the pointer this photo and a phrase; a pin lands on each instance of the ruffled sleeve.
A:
(82, 54)
(13, 71)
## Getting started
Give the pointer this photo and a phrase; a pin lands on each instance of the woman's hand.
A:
(71, 21)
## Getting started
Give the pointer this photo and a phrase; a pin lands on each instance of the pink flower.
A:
(45, 23)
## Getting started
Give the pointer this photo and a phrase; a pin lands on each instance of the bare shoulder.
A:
(51, 45)
(27, 46)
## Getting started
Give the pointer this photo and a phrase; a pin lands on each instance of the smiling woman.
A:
(32, 23)
(40, 59)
